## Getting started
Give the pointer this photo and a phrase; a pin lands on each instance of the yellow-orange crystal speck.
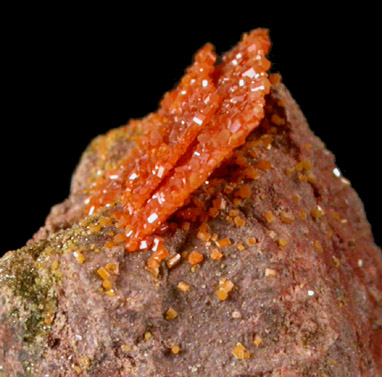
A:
(303, 165)
(225, 287)
(195, 258)
(287, 217)
(219, 203)
(244, 192)
(318, 246)
(251, 173)
(269, 217)
(239, 221)
(203, 236)
(277, 120)
(171, 314)
(270, 273)
(251, 241)
(336, 261)
(317, 212)
(80, 258)
(257, 341)
(264, 165)
(156, 259)
(214, 237)
(183, 287)
(225, 242)
(107, 284)
(103, 273)
(113, 267)
(216, 254)
(174, 260)
(240, 352)
(303, 215)
(233, 212)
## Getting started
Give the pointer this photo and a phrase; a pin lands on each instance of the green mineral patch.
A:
(29, 281)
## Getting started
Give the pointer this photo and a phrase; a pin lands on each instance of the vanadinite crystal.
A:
(261, 261)
(198, 125)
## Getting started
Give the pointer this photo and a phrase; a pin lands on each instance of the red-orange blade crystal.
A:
(163, 138)
(185, 111)
(243, 84)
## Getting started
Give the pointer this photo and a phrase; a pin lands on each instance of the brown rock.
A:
(317, 312)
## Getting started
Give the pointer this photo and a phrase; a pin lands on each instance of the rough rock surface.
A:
(312, 305)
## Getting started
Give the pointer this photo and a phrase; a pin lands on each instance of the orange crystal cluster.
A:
(198, 125)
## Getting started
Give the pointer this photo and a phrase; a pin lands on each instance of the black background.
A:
(70, 76)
